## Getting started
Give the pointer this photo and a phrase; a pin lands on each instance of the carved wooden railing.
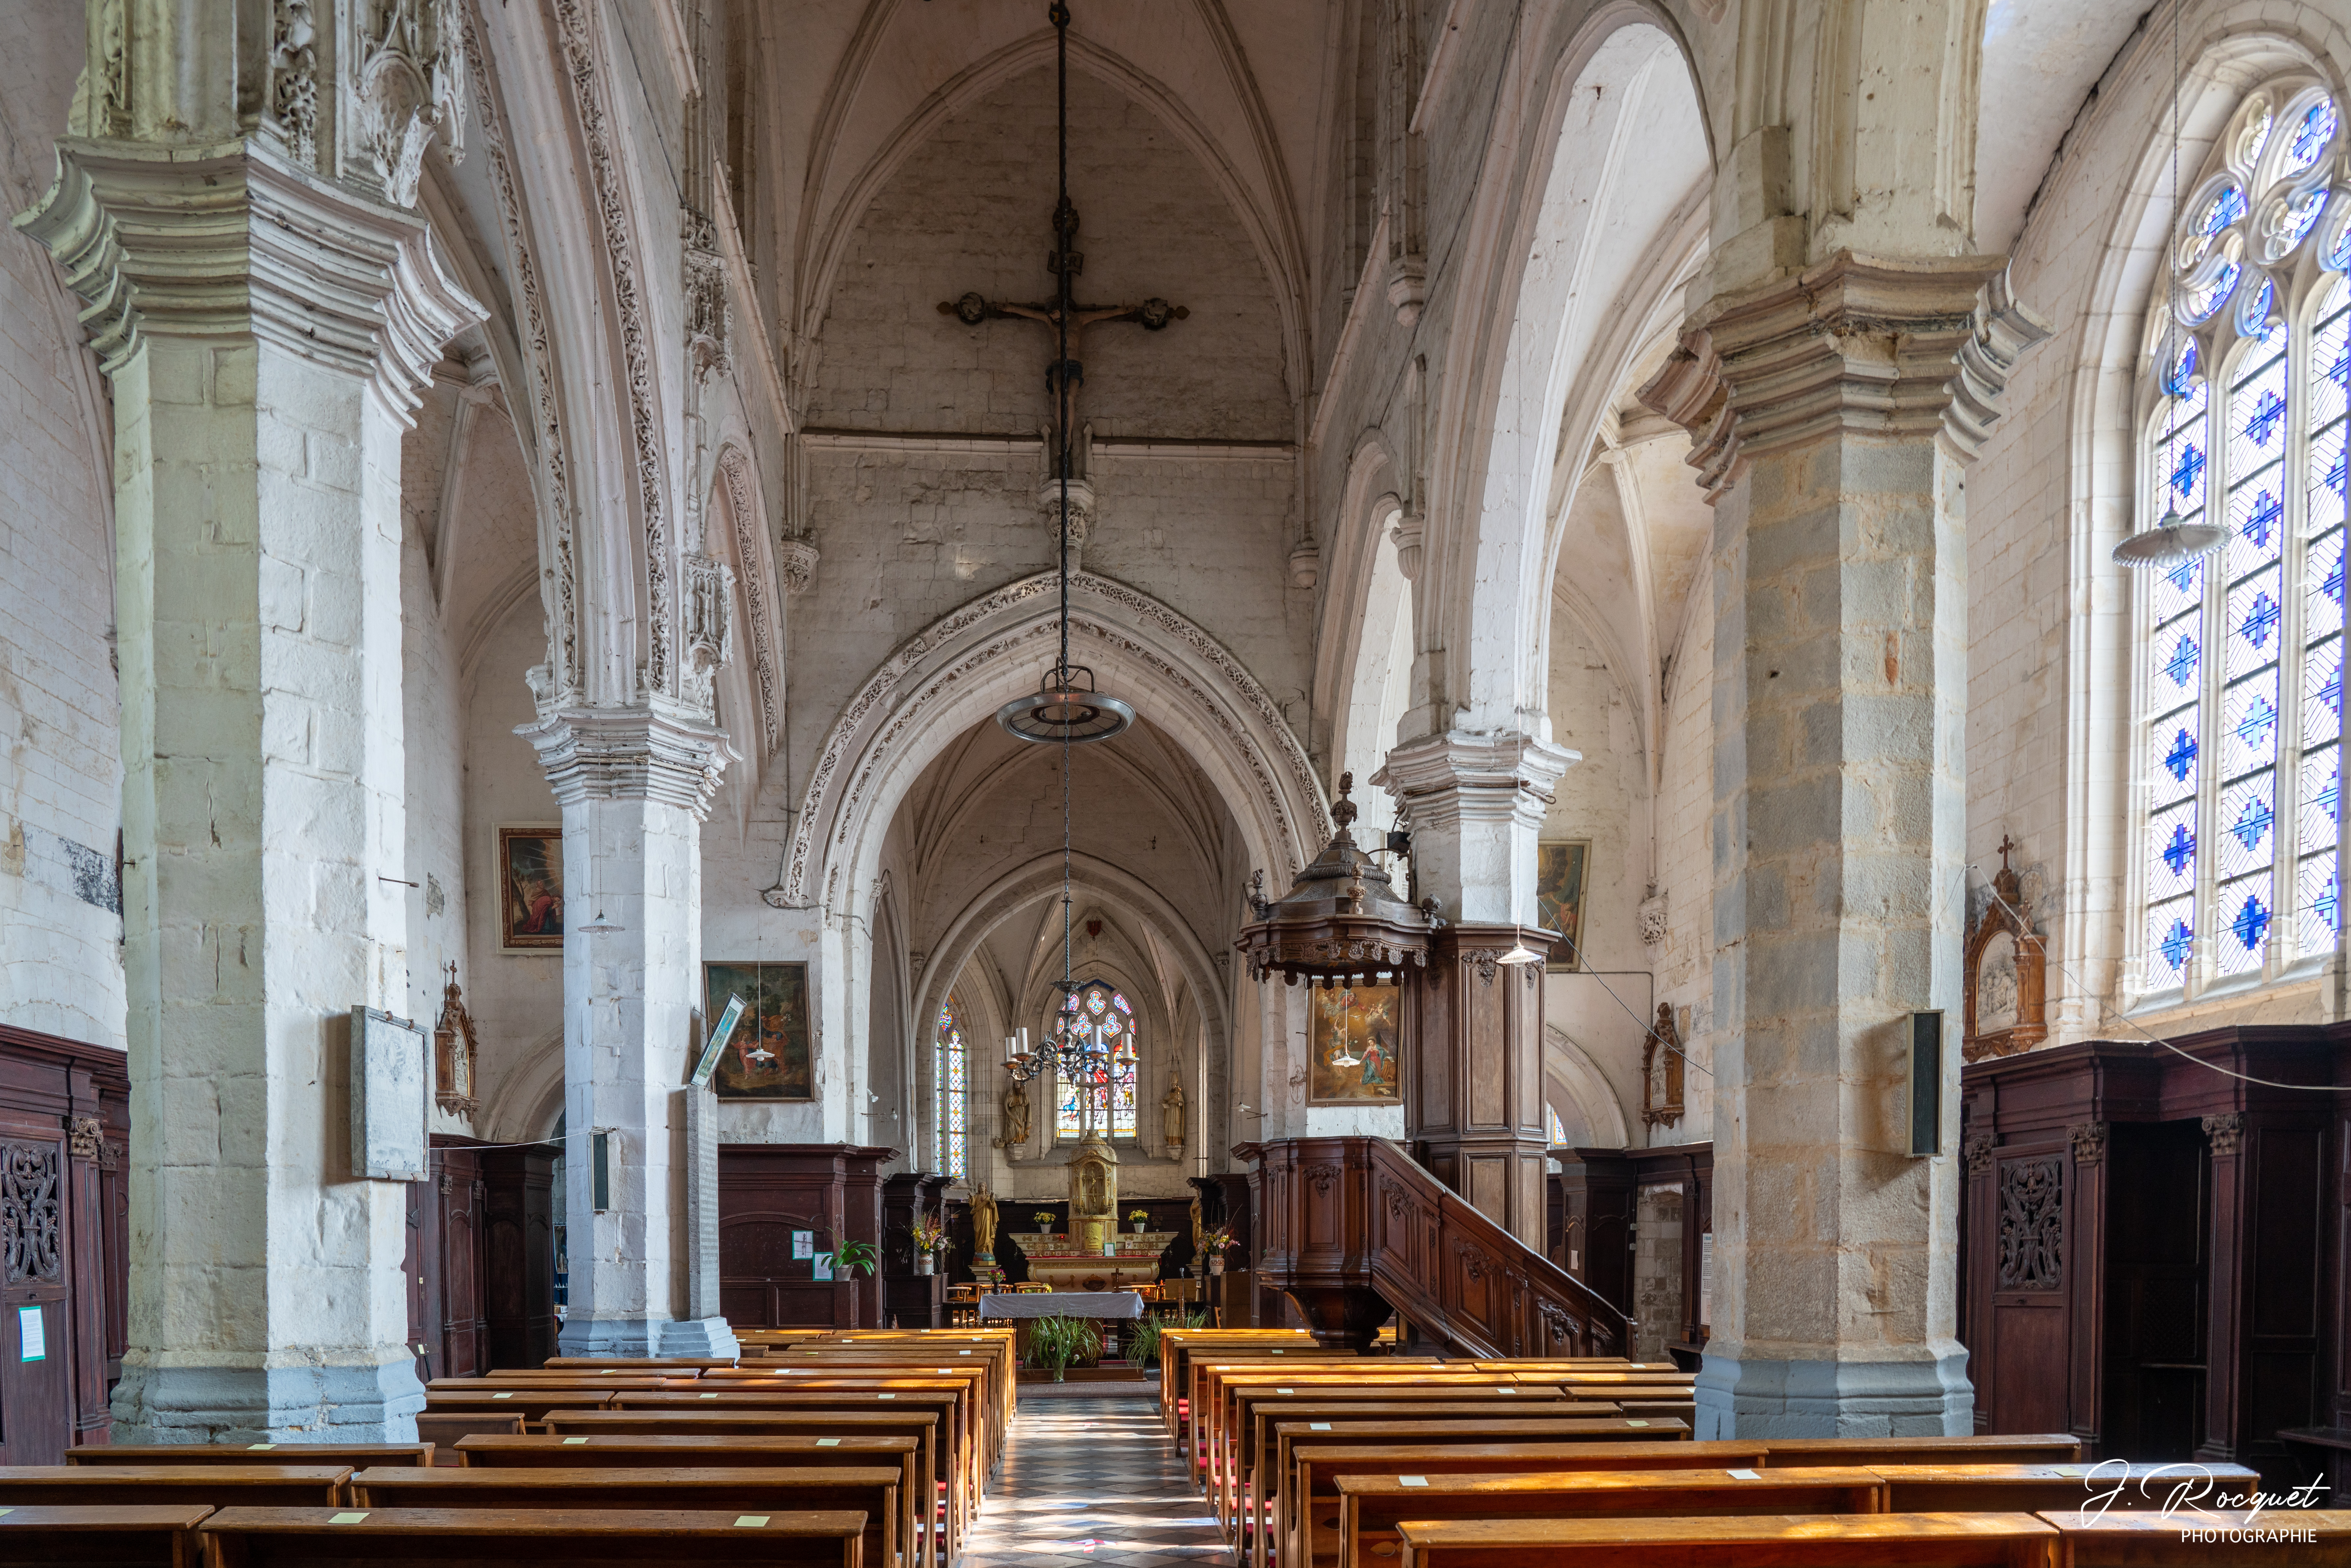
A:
(1352, 1228)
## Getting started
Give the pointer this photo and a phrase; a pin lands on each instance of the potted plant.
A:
(1214, 1244)
(848, 1259)
(929, 1237)
(1044, 1218)
(1059, 1343)
(1139, 1218)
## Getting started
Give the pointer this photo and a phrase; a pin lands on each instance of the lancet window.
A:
(951, 1073)
(1104, 1020)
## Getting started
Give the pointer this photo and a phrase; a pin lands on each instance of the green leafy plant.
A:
(1056, 1343)
(854, 1256)
(1143, 1341)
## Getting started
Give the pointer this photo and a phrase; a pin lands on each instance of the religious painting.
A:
(1560, 866)
(769, 1056)
(1354, 1038)
(530, 889)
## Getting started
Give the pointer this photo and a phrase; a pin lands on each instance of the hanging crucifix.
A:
(1065, 492)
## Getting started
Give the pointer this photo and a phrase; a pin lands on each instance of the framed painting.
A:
(530, 889)
(1560, 868)
(1353, 1037)
(768, 1057)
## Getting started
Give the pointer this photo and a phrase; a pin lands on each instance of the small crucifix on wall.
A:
(1065, 374)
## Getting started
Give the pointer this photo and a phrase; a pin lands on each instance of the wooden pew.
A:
(532, 1404)
(1310, 1494)
(872, 1490)
(212, 1486)
(698, 1442)
(1764, 1541)
(1256, 1474)
(1179, 1348)
(673, 1365)
(1372, 1506)
(447, 1430)
(555, 1382)
(2147, 1540)
(989, 1369)
(160, 1536)
(355, 1455)
(947, 1457)
(435, 1537)
(2022, 1448)
(965, 1433)
(2037, 1489)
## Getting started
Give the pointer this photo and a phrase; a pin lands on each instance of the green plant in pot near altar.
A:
(1215, 1245)
(849, 1258)
(1044, 1218)
(1143, 1340)
(930, 1237)
(1057, 1344)
(1138, 1218)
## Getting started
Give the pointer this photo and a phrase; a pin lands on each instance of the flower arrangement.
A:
(1044, 1218)
(1218, 1241)
(929, 1235)
(1138, 1215)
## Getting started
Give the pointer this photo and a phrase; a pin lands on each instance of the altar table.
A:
(1094, 1305)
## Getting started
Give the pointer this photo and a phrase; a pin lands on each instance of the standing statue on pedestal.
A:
(1016, 1117)
(1171, 1114)
(982, 1225)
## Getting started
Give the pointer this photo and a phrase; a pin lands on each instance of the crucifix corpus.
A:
(1066, 491)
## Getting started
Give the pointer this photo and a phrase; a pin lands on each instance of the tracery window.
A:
(2241, 666)
(951, 1073)
(1104, 1019)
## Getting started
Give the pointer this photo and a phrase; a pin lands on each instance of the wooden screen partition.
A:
(480, 1270)
(65, 1123)
(766, 1192)
(1632, 1224)
(1351, 1228)
(910, 1299)
(2152, 1251)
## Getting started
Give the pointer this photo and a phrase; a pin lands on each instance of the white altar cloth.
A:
(1093, 1304)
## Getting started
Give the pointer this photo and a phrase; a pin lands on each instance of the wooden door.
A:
(37, 1404)
(463, 1328)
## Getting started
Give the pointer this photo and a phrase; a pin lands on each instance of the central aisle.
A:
(1093, 1480)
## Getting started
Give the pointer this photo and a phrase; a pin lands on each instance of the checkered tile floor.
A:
(1093, 1480)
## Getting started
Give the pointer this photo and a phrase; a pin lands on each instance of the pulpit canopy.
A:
(1341, 924)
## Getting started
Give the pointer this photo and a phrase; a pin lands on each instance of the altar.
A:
(1053, 1261)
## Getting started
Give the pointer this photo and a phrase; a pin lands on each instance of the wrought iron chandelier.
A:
(1068, 708)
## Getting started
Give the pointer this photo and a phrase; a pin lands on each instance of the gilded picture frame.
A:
(531, 888)
(771, 1054)
(1354, 1038)
(1562, 874)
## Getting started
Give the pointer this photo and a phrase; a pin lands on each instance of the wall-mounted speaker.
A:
(1926, 1082)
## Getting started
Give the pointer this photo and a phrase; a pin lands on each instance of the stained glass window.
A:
(2241, 652)
(1105, 1099)
(951, 1073)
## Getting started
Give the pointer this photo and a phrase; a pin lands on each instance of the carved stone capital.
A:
(796, 560)
(1406, 536)
(1461, 776)
(234, 241)
(2089, 1141)
(1878, 346)
(632, 753)
(2227, 1133)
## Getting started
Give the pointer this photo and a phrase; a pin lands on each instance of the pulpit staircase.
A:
(1352, 1228)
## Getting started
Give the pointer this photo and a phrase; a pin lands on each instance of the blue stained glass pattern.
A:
(2330, 358)
(2182, 663)
(2187, 471)
(2327, 904)
(2181, 588)
(2202, 302)
(952, 1065)
(2321, 569)
(2255, 515)
(2322, 692)
(2227, 205)
(2254, 319)
(2339, 255)
(1101, 1017)
(2268, 414)
(2177, 940)
(2327, 479)
(2181, 372)
(2311, 136)
(2249, 924)
(2261, 620)
(2249, 725)
(2253, 820)
(2181, 757)
(2268, 512)
(2301, 217)
(2180, 852)
(2321, 903)
(2322, 800)
(2255, 722)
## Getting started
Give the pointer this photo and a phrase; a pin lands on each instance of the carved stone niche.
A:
(2005, 973)
(1662, 1071)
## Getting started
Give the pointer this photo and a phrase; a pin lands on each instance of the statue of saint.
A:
(1171, 1113)
(1091, 1186)
(1197, 1230)
(1016, 1117)
(983, 1223)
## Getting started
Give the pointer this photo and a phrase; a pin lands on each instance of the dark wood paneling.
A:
(767, 1191)
(2153, 1368)
(518, 1281)
(65, 1124)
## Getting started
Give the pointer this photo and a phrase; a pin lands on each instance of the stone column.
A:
(1473, 1055)
(1834, 410)
(634, 785)
(267, 334)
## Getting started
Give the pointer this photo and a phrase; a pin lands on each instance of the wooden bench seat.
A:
(1756, 1540)
(2035, 1489)
(707, 1449)
(964, 1453)
(558, 1381)
(1311, 1488)
(2141, 1539)
(447, 1429)
(212, 1486)
(871, 1489)
(148, 1536)
(1221, 1416)
(1362, 1531)
(2023, 1448)
(358, 1456)
(532, 1404)
(464, 1538)
(629, 1363)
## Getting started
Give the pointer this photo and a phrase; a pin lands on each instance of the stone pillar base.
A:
(1836, 1398)
(610, 1336)
(276, 1405)
(699, 1337)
